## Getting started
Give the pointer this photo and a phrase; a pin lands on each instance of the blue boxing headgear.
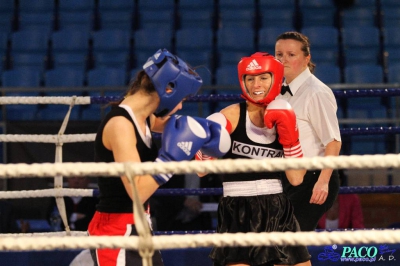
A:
(172, 78)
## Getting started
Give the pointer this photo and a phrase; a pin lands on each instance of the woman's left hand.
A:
(320, 192)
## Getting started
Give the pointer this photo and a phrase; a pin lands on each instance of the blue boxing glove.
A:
(183, 136)
(219, 141)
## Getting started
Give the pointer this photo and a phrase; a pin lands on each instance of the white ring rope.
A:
(58, 233)
(20, 170)
(201, 240)
(48, 138)
(146, 246)
(58, 179)
(43, 193)
(80, 100)
(144, 242)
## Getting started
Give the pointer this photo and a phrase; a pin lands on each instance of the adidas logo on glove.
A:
(185, 146)
(253, 65)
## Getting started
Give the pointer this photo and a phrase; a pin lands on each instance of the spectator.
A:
(80, 210)
(180, 213)
(8, 223)
(346, 212)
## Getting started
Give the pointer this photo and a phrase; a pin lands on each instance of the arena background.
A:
(94, 47)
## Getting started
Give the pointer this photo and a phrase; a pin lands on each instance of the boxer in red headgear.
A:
(260, 128)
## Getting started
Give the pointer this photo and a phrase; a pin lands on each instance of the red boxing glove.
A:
(280, 113)
(199, 156)
(220, 119)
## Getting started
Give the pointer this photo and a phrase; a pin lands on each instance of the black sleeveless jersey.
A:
(243, 147)
(113, 197)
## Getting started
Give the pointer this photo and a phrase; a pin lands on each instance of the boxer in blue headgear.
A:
(172, 78)
(124, 135)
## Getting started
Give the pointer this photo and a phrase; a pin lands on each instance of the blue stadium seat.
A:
(156, 5)
(267, 37)
(392, 43)
(116, 5)
(36, 21)
(236, 4)
(197, 18)
(7, 17)
(227, 75)
(233, 43)
(151, 39)
(393, 75)
(276, 4)
(70, 48)
(25, 78)
(148, 41)
(64, 77)
(107, 77)
(359, 16)
(364, 73)
(282, 17)
(76, 20)
(113, 19)
(4, 37)
(112, 59)
(21, 78)
(111, 53)
(71, 60)
(29, 53)
(328, 73)
(194, 40)
(390, 3)
(31, 41)
(205, 74)
(329, 36)
(38, 15)
(73, 13)
(29, 61)
(370, 144)
(195, 59)
(111, 40)
(391, 16)
(196, 13)
(70, 41)
(37, 6)
(116, 14)
(6, 22)
(7, 7)
(237, 13)
(361, 45)
(155, 19)
(156, 14)
(277, 13)
(237, 18)
(324, 42)
(76, 5)
(318, 13)
(365, 3)
(134, 71)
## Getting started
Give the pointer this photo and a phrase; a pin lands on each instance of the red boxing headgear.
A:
(256, 64)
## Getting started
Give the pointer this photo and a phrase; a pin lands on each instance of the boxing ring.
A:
(369, 245)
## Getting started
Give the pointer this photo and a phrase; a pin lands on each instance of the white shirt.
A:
(315, 107)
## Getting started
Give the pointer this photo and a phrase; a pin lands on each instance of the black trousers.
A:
(308, 214)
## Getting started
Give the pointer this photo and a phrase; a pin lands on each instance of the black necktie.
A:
(285, 89)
